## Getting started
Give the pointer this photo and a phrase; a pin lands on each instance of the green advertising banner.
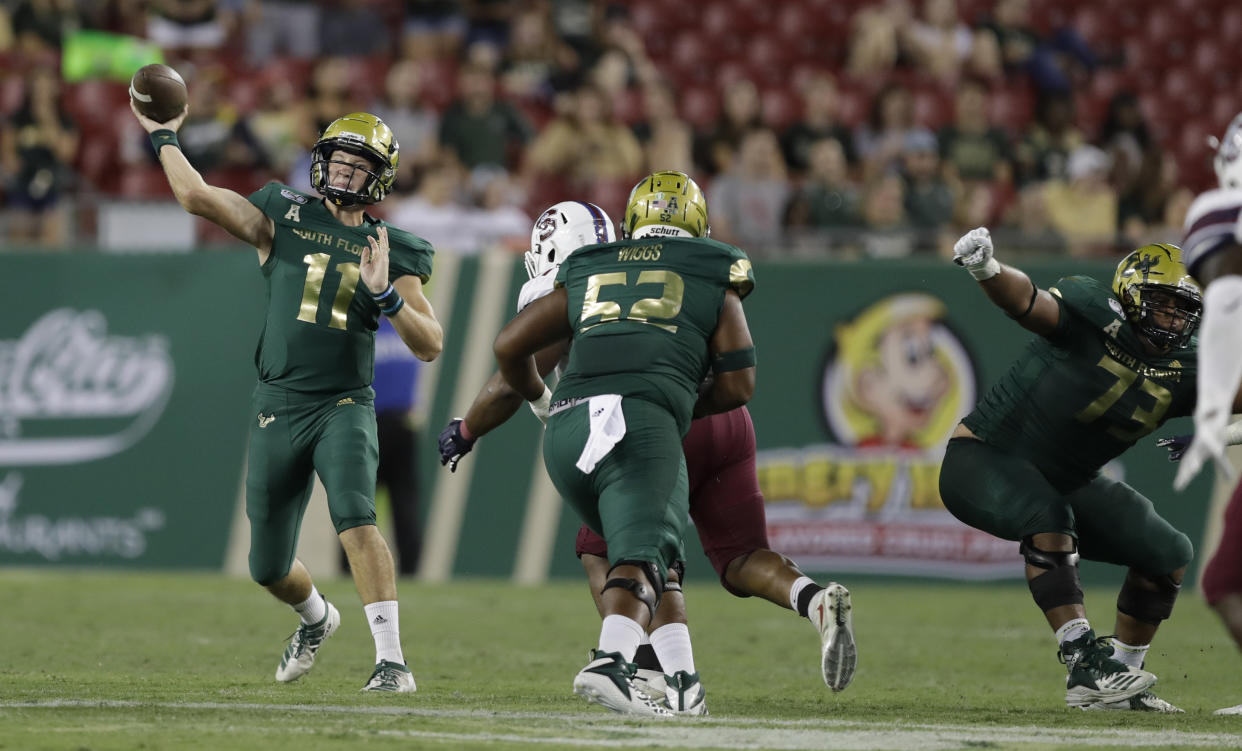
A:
(123, 398)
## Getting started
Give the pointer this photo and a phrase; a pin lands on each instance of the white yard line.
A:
(708, 732)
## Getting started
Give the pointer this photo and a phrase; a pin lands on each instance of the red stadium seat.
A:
(780, 108)
(1011, 108)
(933, 107)
(700, 106)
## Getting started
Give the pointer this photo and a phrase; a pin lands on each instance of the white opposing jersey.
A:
(1213, 221)
(534, 289)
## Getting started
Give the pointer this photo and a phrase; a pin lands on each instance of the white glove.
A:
(1210, 441)
(541, 405)
(973, 250)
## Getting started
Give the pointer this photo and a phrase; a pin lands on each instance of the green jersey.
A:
(319, 330)
(1086, 393)
(643, 312)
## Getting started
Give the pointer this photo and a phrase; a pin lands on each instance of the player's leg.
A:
(626, 499)
(1119, 525)
(727, 507)
(278, 486)
(1010, 498)
(345, 458)
(1222, 577)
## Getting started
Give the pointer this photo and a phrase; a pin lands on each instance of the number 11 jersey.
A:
(1086, 393)
(319, 330)
(643, 312)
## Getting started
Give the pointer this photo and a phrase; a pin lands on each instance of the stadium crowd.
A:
(819, 128)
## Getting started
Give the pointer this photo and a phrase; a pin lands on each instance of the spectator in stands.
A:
(278, 125)
(928, 199)
(37, 145)
(882, 138)
(739, 115)
(586, 145)
(824, 212)
(40, 25)
(940, 44)
(877, 38)
(434, 212)
(1084, 207)
(1137, 163)
(667, 140)
(488, 21)
(1010, 25)
(414, 124)
(479, 129)
(618, 35)
(1033, 231)
(496, 219)
(332, 91)
(1052, 63)
(281, 27)
(349, 21)
(747, 203)
(886, 232)
(536, 63)
(971, 148)
(185, 26)
(434, 29)
(819, 121)
(217, 135)
(1043, 152)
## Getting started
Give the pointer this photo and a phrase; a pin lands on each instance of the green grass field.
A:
(164, 661)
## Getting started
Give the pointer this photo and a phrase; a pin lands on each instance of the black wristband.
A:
(164, 137)
(389, 301)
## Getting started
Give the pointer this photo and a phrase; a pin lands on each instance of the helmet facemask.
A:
(1159, 297)
(321, 159)
(363, 135)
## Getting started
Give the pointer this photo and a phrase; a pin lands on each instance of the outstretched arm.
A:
(1009, 288)
(731, 348)
(220, 206)
(541, 324)
(497, 401)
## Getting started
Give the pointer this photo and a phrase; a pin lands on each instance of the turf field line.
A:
(710, 732)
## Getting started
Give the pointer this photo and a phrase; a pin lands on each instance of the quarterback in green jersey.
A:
(1110, 365)
(331, 270)
(648, 317)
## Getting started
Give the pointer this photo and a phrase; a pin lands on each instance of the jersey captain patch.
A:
(294, 214)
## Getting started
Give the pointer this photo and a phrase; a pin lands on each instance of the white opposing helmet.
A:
(1228, 160)
(562, 229)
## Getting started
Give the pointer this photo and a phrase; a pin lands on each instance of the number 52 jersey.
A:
(1083, 395)
(643, 312)
(319, 331)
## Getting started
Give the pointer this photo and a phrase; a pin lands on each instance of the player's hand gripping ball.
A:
(158, 92)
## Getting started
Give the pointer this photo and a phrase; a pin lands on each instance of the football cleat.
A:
(299, 656)
(684, 693)
(608, 680)
(391, 677)
(1235, 709)
(1144, 702)
(1094, 676)
(832, 613)
(650, 682)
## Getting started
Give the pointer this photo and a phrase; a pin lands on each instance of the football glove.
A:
(1209, 442)
(973, 251)
(1176, 445)
(453, 445)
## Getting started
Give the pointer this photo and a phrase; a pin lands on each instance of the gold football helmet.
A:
(666, 204)
(1152, 282)
(367, 136)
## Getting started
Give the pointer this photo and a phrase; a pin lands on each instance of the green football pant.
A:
(637, 497)
(1006, 496)
(291, 436)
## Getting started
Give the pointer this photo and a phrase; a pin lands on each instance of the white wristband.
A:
(541, 405)
(986, 271)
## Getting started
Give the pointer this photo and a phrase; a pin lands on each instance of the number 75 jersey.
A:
(1082, 396)
(643, 312)
(319, 328)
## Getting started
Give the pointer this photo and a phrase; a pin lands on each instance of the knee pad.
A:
(1148, 599)
(1059, 584)
(647, 592)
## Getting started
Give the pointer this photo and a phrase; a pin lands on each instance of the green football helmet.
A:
(668, 204)
(367, 136)
(1153, 280)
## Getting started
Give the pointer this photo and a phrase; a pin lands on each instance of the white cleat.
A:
(608, 680)
(832, 613)
(1144, 702)
(299, 656)
(684, 693)
(1235, 709)
(392, 678)
(650, 682)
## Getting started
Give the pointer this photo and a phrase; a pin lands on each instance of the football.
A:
(158, 92)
